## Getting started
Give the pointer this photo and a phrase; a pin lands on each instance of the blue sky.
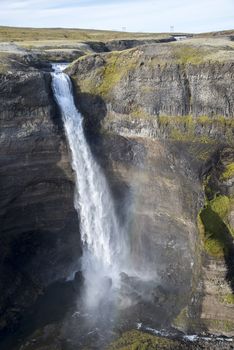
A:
(134, 15)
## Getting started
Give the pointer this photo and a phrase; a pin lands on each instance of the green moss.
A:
(177, 128)
(215, 247)
(112, 74)
(136, 340)
(219, 325)
(186, 136)
(140, 113)
(106, 77)
(216, 234)
(204, 119)
(221, 205)
(228, 172)
(216, 120)
(228, 299)
(186, 120)
(182, 319)
(187, 54)
(184, 128)
(181, 128)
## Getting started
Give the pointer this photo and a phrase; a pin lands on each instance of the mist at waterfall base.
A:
(111, 281)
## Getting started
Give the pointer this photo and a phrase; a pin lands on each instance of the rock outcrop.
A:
(39, 236)
(164, 113)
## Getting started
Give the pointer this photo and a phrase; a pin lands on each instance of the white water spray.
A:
(104, 245)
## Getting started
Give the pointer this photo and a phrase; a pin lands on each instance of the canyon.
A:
(158, 118)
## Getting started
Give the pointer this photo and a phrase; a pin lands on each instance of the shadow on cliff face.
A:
(94, 110)
(229, 259)
(214, 222)
(50, 308)
(220, 233)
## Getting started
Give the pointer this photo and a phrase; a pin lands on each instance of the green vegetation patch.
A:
(221, 206)
(105, 77)
(181, 319)
(228, 172)
(188, 128)
(222, 325)
(136, 340)
(21, 34)
(183, 129)
(116, 67)
(216, 234)
(188, 54)
(228, 298)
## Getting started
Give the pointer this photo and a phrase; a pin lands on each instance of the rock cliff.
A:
(39, 237)
(164, 115)
(159, 120)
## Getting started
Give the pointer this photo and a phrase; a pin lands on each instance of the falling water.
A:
(102, 237)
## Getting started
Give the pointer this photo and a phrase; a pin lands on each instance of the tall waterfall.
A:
(102, 237)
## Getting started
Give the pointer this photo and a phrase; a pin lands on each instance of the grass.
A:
(37, 34)
(216, 324)
(181, 319)
(216, 234)
(183, 129)
(228, 172)
(228, 299)
(113, 72)
(187, 54)
(136, 340)
(221, 206)
(105, 77)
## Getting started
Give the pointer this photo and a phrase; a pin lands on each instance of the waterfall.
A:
(101, 234)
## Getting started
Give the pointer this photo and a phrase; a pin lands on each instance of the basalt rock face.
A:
(159, 81)
(119, 45)
(158, 194)
(39, 236)
(163, 115)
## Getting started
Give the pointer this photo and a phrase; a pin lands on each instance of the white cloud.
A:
(148, 15)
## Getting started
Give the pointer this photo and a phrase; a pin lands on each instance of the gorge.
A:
(147, 147)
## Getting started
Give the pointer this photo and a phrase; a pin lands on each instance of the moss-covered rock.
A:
(180, 86)
(181, 321)
(215, 232)
(136, 340)
(228, 298)
(228, 172)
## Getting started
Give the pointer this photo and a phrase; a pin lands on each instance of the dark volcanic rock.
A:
(39, 238)
(119, 45)
(158, 81)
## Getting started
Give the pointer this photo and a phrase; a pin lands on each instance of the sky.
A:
(131, 15)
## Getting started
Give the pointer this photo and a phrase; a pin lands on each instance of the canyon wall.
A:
(39, 237)
(159, 118)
